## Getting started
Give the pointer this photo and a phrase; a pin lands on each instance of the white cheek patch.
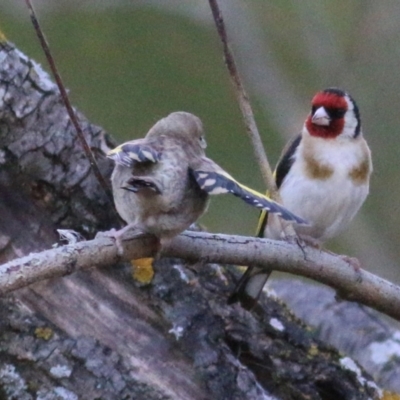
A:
(350, 120)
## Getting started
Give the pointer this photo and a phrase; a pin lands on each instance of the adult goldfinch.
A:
(322, 176)
(161, 183)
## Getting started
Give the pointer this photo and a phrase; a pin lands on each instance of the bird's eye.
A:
(313, 109)
(336, 113)
(203, 142)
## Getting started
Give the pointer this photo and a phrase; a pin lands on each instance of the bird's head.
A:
(181, 125)
(334, 113)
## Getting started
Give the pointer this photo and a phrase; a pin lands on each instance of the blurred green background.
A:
(127, 65)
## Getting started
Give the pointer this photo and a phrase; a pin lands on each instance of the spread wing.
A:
(135, 151)
(214, 180)
(282, 168)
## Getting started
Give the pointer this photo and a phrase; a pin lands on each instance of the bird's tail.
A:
(249, 287)
(252, 282)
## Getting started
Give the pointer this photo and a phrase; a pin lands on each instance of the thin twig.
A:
(244, 104)
(67, 103)
(355, 285)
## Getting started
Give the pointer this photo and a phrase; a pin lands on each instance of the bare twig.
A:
(244, 103)
(67, 103)
(327, 268)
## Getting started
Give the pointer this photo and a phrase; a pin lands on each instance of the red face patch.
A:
(331, 102)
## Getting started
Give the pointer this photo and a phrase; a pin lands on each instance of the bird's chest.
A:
(326, 188)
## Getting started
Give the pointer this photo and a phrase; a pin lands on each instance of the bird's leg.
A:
(291, 236)
(310, 241)
(355, 264)
(118, 235)
(303, 241)
(162, 243)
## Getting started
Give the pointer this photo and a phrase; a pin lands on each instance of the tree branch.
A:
(244, 103)
(327, 268)
(247, 113)
(71, 113)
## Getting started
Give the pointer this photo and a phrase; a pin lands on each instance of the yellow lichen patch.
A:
(390, 396)
(313, 350)
(360, 174)
(44, 333)
(143, 270)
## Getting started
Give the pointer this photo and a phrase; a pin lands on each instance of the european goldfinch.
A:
(161, 183)
(322, 176)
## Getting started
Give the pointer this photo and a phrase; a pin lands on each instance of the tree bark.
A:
(97, 333)
(353, 329)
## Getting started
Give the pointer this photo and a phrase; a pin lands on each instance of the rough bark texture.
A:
(370, 338)
(96, 334)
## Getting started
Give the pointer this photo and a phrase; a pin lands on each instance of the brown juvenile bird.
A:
(161, 183)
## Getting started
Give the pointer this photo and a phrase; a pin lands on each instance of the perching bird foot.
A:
(303, 242)
(355, 264)
(117, 235)
(310, 241)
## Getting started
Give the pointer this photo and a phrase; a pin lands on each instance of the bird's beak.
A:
(321, 117)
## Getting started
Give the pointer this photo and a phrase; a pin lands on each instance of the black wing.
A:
(283, 167)
(220, 182)
(135, 151)
(286, 160)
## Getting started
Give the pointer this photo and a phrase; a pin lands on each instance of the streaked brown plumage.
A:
(161, 183)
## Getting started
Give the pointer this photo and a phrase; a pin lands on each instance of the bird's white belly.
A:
(327, 205)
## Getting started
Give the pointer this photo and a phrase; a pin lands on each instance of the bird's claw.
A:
(117, 236)
(355, 264)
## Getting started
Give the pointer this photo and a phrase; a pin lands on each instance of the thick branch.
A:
(360, 286)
